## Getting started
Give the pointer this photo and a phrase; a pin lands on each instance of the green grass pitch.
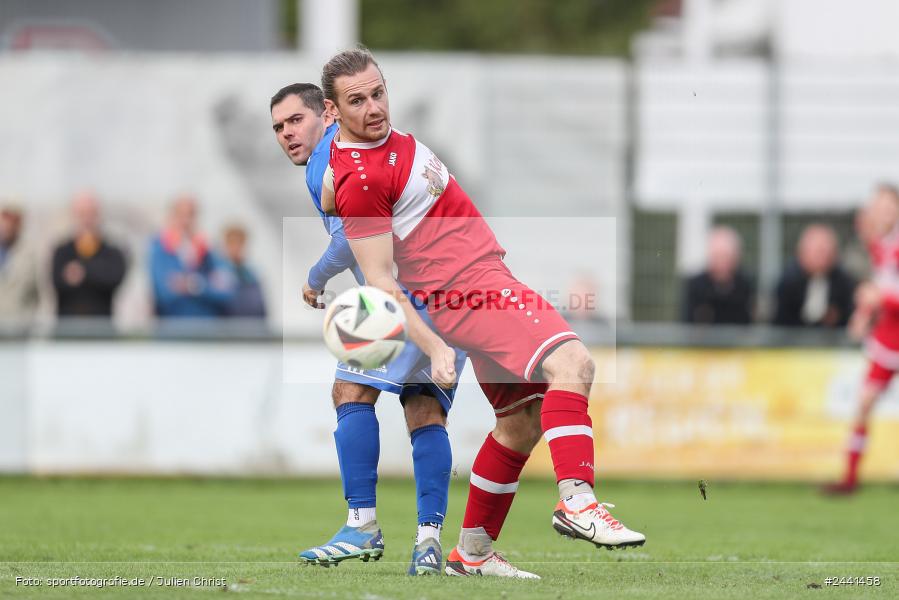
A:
(745, 541)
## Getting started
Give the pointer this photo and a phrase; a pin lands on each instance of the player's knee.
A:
(570, 362)
(423, 410)
(587, 366)
(345, 392)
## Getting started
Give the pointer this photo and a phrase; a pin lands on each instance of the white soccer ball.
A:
(365, 328)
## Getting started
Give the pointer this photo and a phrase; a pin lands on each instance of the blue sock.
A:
(358, 450)
(432, 460)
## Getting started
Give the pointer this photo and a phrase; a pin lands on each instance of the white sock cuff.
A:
(426, 531)
(358, 517)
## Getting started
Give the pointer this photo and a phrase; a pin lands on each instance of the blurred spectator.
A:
(814, 291)
(87, 269)
(18, 269)
(189, 280)
(248, 300)
(722, 293)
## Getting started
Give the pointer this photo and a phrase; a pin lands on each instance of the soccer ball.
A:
(365, 328)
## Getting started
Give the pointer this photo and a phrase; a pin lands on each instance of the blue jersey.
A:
(338, 257)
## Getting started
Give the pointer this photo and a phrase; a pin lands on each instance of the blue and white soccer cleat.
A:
(427, 558)
(365, 543)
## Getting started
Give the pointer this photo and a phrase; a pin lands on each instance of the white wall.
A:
(702, 134)
(172, 408)
(835, 29)
(13, 407)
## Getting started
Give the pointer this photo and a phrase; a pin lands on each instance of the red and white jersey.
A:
(883, 344)
(885, 263)
(397, 185)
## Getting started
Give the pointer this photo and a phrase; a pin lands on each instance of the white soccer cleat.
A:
(597, 525)
(492, 566)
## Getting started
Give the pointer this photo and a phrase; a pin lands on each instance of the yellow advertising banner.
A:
(733, 414)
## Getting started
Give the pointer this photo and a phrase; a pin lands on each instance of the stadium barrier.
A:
(752, 403)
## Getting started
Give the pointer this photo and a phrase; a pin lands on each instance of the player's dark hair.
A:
(309, 93)
(348, 62)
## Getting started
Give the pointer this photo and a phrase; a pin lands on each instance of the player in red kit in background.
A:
(399, 204)
(876, 319)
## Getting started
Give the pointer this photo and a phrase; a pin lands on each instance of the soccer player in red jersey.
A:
(876, 319)
(399, 204)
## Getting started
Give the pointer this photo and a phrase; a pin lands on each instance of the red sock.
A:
(854, 456)
(494, 481)
(569, 432)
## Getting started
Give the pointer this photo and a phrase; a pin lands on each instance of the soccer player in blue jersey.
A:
(304, 131)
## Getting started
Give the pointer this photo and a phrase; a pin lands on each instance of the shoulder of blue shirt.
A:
(318, 162)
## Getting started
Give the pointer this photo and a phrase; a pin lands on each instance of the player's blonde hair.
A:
(348, 62)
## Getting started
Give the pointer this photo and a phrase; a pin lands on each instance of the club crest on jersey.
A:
(433, 173)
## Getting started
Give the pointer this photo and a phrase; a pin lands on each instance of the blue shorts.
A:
(409, 374)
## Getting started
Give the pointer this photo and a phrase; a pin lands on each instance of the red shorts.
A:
(506, 397)
(507, 329)
(878, 376)
(883, 356)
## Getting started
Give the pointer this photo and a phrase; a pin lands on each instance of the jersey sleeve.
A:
(337, 258)
(364, 204)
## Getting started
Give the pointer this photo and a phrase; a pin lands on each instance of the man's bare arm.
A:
(375, 257)
(329, 198)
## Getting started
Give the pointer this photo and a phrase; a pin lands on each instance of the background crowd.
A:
(191, 275)
(814, 288)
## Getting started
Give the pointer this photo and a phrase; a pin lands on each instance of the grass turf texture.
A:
(745, 541)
